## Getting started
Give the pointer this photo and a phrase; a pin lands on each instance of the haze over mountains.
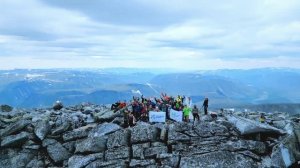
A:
(225, 88)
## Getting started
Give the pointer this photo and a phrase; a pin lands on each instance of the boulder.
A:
(31, 145)
(167, 159)
(75, 134)
(138, 150)
(62, 128)
(144, 133)
(104, 129)
(118, 139)
(79, 161)
(286, 153)
(42, 128)
(246, 126)
(251, 155)
(154, 151)
(57, 105)
(16, 159)
(175, 137)
(203, 130)
(47, 142)
(57, 152)
(35, 163)
(87, 110)
(142, 163)
(279, 124)
(117, 153)
(15, 140)
(108, 164)
(70, 146)
(240, 145)
(217, 159)
(15, 127)
(91, 145)
(6, 108)
(6, 120)
(105, 116)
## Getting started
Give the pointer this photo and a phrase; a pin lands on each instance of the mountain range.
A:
(224, 88)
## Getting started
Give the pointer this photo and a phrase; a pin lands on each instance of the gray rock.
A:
(70, 146)
(75, 134)
(118, 120)
(188, 150)
(6, 108)
(141, 163)
(254, 146)
(247, 126)
(108, 164)
(35, 163)
(57, 152)
(79, 161)
(251, 155)
(42, 128)
(104, 129)
(117, 153)
(174, 137)
(91, 145)
(118, 139)
(62, 128)
(57, 105)
(220, 159)
(203, 130)
(144, 133)
(47, 142)
(138, 150)
(279, 124)
(15, 158)
(31, 145)
(88, 110)
(266, 162)
(157, 144)
(15, 140)
(286, 153)
(170, 160)
(154, 151)
(15, 127)
(105, 116)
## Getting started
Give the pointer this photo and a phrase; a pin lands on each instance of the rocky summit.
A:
(93, 136)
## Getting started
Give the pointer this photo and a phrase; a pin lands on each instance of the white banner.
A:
(157, 116)
(176, 115)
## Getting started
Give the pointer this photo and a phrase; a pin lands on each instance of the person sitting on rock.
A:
(126, 118)
(115, 106)
(131, 120)
(262, 118)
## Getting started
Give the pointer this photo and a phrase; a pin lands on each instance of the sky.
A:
(180, 34)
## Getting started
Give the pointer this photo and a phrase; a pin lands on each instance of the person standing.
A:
(195, 112)
(186, 113)
(205, 105)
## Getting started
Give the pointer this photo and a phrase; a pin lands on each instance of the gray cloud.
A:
(131, 33)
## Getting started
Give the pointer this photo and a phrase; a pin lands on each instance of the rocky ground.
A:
(93, 136)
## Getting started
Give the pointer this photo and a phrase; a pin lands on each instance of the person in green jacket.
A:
(186, 113)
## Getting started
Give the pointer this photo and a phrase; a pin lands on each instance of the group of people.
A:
(139, 107)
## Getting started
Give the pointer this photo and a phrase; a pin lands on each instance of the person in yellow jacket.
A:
(262, 118)
(186, 113)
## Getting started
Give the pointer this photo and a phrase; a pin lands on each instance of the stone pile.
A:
(93, 136)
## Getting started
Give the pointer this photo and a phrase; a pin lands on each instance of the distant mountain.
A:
(40, 88)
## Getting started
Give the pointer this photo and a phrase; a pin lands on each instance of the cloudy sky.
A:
(183, 34)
